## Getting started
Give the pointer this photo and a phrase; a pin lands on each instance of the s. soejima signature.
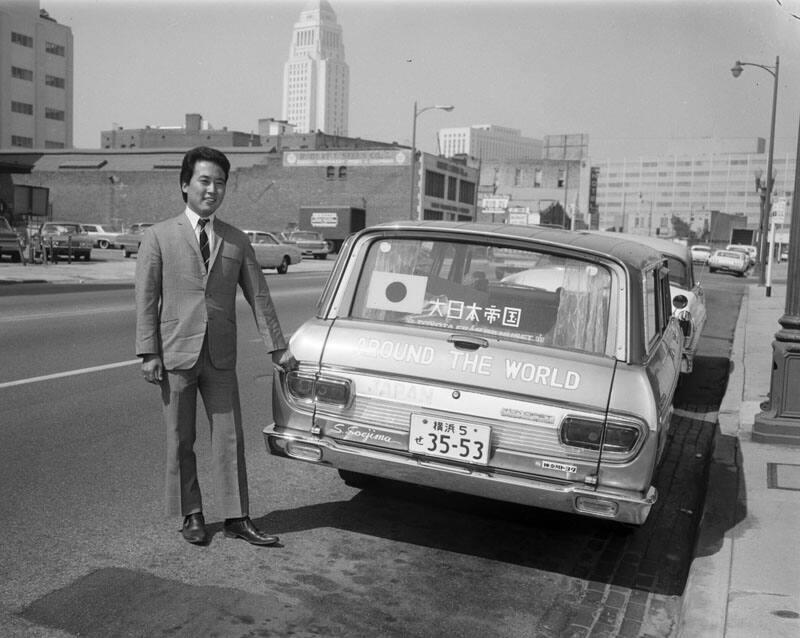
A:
(363, 434)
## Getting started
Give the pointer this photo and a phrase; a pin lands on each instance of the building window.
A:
(434, 184)
(562, 178)
(18, 140)
(466, 194)
(537, 178)
(22, 39)
(55, 49)
(49, 144)
(330, 172)
(22, 107)
(343, 172)
(21, 74)
(452, 188)
(53, 114)
(52, 80)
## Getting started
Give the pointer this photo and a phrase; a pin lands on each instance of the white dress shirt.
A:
(212, 238)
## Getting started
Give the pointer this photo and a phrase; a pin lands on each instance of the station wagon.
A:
(524, 364)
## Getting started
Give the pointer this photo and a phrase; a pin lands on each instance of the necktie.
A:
(204, 248)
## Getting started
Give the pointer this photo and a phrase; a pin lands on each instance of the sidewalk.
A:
(744, 581)
(109, 266)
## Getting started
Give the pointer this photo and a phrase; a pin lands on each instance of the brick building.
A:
(265, 189)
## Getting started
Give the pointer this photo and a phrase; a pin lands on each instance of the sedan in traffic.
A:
(525, 364)
(272, 253)
(732, 261)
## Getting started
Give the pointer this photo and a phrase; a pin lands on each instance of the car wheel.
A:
(127, 253)
(283, 268)
(356, 479)
(16, 256)
(87, 256)
(103, 243)
(712, 269)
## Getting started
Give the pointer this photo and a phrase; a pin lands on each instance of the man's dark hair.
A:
(202, 154)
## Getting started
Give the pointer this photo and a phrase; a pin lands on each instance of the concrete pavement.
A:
(744, 581)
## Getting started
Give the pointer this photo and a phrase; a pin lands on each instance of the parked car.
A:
(101, 236)
(700, 253)
(58, 239)
(129, 241)
(309, 242)
(10, 242)
(686, 293)
(427, 363)
(784, 254)
(735, 261)
(272, 253)
(750, 251)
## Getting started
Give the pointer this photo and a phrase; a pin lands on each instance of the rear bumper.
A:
(618, 505)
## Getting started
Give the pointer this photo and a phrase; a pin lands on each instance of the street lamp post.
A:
(766, 205)
(780, 420)
(417, 113)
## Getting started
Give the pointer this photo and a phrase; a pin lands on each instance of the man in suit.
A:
(187, 272)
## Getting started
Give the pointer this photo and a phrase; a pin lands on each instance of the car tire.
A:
(712, 269)
(87, 256)
(283, 267)
(16, 256)
(324, 256)
(356, 479)
(103, 243)
(127, 253)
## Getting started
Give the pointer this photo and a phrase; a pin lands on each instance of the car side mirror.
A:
(680, 301)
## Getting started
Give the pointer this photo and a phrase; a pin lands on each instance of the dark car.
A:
(10, 243)
(58, 239)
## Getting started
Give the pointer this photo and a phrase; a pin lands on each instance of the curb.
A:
(704, 604)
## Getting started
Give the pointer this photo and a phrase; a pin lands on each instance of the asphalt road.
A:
(85, 549)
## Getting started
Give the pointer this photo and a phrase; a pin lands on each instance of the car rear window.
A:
(526, 295)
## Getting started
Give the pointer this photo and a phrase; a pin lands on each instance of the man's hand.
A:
(152, 368)
(284, 359)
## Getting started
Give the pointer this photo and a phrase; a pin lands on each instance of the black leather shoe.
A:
(244, 528)
(194, 528)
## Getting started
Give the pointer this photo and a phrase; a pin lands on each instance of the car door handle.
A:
(466, 342)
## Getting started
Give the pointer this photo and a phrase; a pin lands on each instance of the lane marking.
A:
(69, 373)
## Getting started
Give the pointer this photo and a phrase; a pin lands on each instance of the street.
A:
(87, 551)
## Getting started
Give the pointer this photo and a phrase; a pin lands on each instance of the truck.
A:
(336, 223)
(743, 236)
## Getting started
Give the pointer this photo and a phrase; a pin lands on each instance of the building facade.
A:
(195, 132)
(36, 81)
(266, 188)
(488, 142)
(643, 194)
(316, 78)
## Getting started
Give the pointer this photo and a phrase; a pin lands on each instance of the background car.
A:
(700, 253)
(432, 359)
(784, 254)
(10, 243)
(750, 251)
(58, 239)
(310, 243)
(101, 236)
(129, 241)
(687, 295)
(271, 252)
(735, 261)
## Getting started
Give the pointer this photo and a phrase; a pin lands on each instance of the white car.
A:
(700, 253)
(271, 252)
(101, 237)
(687, 295)
(733, 261)
(750, 251)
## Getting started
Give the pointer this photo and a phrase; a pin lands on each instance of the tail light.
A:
(317, 388)
(620, 438)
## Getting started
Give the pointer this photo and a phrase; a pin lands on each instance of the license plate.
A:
(433, 436)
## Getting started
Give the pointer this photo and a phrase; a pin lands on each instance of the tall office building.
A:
(35, 78)
(488, 142)
(316, 79)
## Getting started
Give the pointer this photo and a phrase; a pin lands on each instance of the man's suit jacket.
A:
(178, 302)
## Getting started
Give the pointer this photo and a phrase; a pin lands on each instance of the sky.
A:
(626, 72)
